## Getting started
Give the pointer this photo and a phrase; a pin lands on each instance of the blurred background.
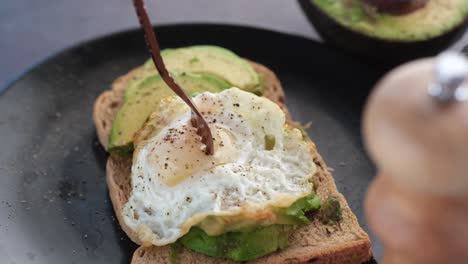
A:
(30, 31)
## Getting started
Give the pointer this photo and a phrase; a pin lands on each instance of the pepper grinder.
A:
(416, 131)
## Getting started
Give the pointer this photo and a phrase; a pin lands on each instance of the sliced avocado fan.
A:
(214, 60)
(196, 69)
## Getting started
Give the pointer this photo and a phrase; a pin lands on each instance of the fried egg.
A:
(177, 186)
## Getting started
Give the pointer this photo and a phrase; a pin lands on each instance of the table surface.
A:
(34, 30)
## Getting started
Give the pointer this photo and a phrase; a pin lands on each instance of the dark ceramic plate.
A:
(54, 206)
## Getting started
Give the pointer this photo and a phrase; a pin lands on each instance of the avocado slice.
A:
(214, 60)
(243, 245)
(249, 243)
(142, 98)
(388, 38)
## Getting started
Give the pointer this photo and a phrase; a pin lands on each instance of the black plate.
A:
(54, 206)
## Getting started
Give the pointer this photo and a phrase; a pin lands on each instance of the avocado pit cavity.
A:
(396, 7)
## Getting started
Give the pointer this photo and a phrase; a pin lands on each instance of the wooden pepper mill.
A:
(416, 131)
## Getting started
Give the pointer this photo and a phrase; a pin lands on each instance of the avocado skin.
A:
(385, 53)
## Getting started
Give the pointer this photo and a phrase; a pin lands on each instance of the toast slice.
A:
(316, 243)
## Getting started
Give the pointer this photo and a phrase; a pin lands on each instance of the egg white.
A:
(176, 185)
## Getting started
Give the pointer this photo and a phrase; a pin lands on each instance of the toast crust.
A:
(316, 243)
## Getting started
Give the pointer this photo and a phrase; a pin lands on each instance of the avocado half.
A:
(388, 46)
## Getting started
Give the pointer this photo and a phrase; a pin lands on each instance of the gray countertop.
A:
(30, 31)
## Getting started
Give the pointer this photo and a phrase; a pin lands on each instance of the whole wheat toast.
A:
(345, 243)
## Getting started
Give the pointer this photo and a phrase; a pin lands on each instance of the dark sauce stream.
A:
(198, 121)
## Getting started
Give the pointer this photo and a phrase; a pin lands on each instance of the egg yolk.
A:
(178, 152)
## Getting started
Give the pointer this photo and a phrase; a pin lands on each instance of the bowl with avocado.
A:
(390, 31)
